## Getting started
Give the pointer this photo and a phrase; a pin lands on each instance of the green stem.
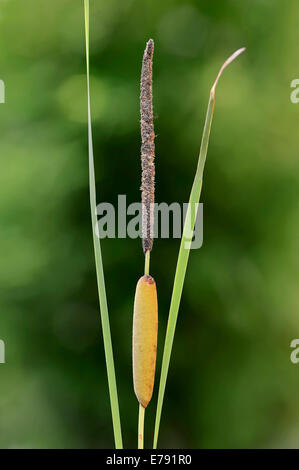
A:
(147, 263)
(141, 427)
(99, 263)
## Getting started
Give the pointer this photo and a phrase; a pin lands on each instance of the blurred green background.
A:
(231, 382)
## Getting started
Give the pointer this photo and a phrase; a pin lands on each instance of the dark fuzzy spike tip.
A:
(147, 147)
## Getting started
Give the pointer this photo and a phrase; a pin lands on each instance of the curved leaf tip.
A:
(223, 67)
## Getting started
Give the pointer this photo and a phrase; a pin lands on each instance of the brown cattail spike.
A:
(145, 328)
(147, 147)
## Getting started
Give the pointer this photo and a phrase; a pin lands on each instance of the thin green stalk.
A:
(141, 427)
(185, 248)
(147, 262)
(99, 263)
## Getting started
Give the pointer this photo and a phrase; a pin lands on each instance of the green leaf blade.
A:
(184, 250)
(99, 263)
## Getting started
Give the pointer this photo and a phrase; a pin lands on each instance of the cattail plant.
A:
(145, 320)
